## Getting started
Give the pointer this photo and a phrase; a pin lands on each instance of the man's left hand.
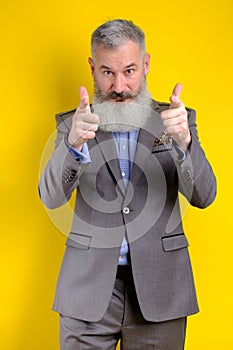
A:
(175, 120)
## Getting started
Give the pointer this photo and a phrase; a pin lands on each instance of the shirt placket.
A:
(124, 159)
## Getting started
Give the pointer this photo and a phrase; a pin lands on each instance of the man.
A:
(126, 272)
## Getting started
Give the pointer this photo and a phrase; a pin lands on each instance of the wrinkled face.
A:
(118, 73)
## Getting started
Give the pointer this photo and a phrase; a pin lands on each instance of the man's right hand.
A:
(84, 124)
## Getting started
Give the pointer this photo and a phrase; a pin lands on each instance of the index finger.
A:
(175, 97)
(84, 99)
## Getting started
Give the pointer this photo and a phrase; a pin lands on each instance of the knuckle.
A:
(162, 114)
(97, 119)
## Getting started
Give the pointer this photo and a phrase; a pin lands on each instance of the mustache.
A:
(117, 96)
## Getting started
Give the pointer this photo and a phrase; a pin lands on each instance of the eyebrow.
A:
(104, 67)
(131, 65)
(126, 67)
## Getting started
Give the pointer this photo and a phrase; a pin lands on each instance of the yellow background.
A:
(43, 61)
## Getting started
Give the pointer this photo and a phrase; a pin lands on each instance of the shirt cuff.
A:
(181, 153)
(82, 156)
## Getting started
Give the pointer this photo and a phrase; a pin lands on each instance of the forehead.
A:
(124, 54)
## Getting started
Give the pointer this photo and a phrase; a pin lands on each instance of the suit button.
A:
(126, 210)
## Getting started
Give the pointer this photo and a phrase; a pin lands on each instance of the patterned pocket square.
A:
(162, 143)
(164, 139)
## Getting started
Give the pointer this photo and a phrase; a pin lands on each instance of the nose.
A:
(119, 83)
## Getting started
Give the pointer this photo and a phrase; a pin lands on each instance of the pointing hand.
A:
(84, 123)
(175, 120)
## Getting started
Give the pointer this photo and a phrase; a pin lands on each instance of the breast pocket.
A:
(162, 148)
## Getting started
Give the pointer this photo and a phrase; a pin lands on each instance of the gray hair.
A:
(115, 32)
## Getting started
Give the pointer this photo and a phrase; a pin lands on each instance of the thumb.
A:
(84, 100)
(175, 97)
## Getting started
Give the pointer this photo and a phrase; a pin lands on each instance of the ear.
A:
(147, 63)
(91, 63)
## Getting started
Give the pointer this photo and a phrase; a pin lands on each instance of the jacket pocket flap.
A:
(77, 240)
(174, 242)
(162, 148)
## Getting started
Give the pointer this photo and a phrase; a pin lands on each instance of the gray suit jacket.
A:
(148, 212)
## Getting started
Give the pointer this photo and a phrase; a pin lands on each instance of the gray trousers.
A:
(122, 321)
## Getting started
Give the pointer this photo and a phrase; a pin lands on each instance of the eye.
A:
(107, 73)
(130, 71)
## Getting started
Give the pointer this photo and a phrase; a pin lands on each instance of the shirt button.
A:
(126, 210)
(123, 174)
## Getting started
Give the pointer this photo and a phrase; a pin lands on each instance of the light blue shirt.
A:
(126, 143)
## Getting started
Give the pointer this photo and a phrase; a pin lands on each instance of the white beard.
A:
(123, 116)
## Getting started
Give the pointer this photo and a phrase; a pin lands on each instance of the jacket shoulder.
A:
(64, 119)
(161, 106)
(64, 116)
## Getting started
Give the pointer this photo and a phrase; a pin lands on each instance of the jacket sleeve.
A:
(196, 178)
(60, 176)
